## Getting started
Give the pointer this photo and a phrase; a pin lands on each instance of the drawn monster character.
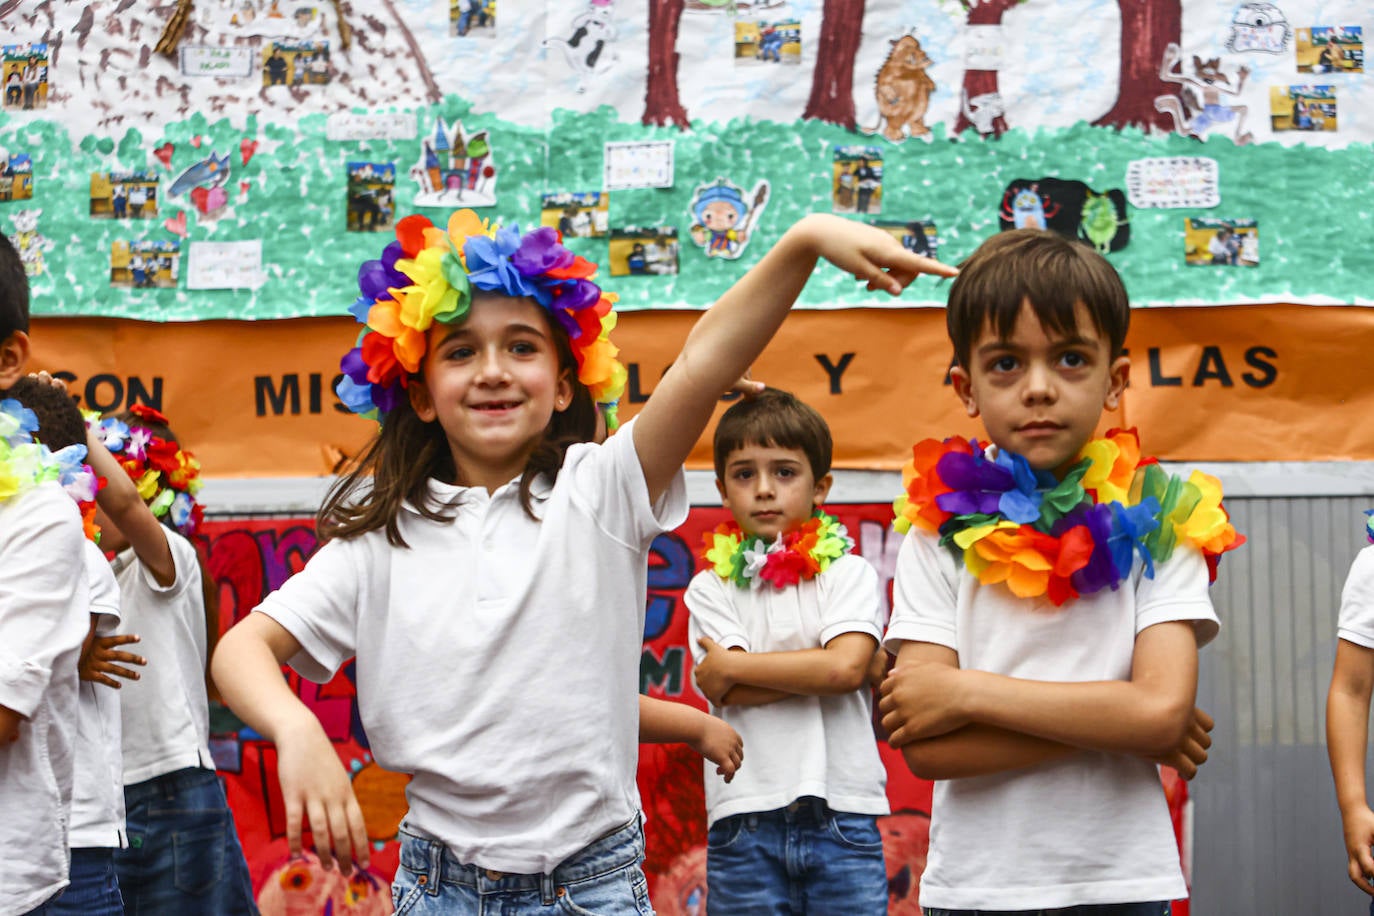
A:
(1193, 115)
(1100, 221)
(1026, 207)
(586, 49)
(903, 90)
(985, 112)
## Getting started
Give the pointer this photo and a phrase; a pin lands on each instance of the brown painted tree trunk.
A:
(832, 85)
(661, 103)
(1147, 26)
(982, 82)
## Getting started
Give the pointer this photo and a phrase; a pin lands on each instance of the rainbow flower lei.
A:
(24, 463)
(1060, 538)
(749, 560)
(167, 476)
(428, 274)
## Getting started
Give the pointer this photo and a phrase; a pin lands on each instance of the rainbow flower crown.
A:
(428, 274)
(167, 476)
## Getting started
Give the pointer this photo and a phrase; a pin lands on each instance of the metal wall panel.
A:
(1267, 833)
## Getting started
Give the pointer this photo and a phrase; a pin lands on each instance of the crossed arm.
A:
(951, 723)
(1347, 734)
(738, 678)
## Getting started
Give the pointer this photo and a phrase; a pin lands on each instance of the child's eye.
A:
(743, 475)
(1074, 360)
(459, 353)
(523, 348)
(787, 472)
(1003, 364)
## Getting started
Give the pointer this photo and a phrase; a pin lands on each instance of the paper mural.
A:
(495, 105)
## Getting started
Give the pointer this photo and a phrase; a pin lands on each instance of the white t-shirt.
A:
(44, 616)
(1086, 829)
(821, 746)
(1356, 623)
(98, 790)
(164, 715)
(498, 657)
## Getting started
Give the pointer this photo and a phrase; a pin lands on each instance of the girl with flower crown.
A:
(183, 854)
(486, 561)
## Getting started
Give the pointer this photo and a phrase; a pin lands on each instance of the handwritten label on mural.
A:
(209, 60)
(352, 125)
(639, 165)
(225, 265)
(1173, 181)
(983, 47)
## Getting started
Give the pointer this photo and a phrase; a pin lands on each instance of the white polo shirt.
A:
(164, 715)
(803, 745)
(98, 790)
(44, 616)
(1091, 828)
(1356, 622)
(498, 657)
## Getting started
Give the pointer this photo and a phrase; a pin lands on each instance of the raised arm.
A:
(1147, 716)
(247, 669)
(120, 502)
(840, 667)
(731, 335)
(1347, 735)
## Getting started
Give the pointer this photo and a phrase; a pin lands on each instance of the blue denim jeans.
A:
(801, 859)
(94, 890)
(184, 855)
(604, 879)
(1158, 908)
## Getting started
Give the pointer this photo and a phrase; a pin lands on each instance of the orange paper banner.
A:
(1234, 383)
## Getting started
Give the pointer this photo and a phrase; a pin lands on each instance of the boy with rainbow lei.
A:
(784, 625)
(166, 475)
(1049, 601)
(1347, 713)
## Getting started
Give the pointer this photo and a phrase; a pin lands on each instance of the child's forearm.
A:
(246, 668)
(979, 750)
(666, 722)
(809, 672)
(1347, 722)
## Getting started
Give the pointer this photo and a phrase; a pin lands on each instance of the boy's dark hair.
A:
(60, 423)
(1047, 270)
(14, 290)
(397, 465)
(778, 419)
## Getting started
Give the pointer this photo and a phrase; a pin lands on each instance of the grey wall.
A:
(1267, 833)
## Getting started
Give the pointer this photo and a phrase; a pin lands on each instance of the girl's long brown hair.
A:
(398, 463)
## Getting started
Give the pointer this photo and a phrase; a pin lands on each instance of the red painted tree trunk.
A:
(1147, 26)
(832, 84)
(661, 104)
(981, 82)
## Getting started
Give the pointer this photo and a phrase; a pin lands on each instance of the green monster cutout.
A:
(1100, 221)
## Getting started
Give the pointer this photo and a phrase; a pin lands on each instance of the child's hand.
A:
(1359, 836)
(104, 660)
(1191, 752)
(921, 701)
(872, 255)
(44, 378)
(720, 744)
(712, 675)
(314, 784)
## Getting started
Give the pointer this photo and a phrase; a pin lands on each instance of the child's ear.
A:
(563, 392)
(14, 356)
(421, 401)
(963, 389)
(1119, 376)
(822, 490)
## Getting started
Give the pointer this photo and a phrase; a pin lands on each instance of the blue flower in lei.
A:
(25, 422)
(490, 266)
